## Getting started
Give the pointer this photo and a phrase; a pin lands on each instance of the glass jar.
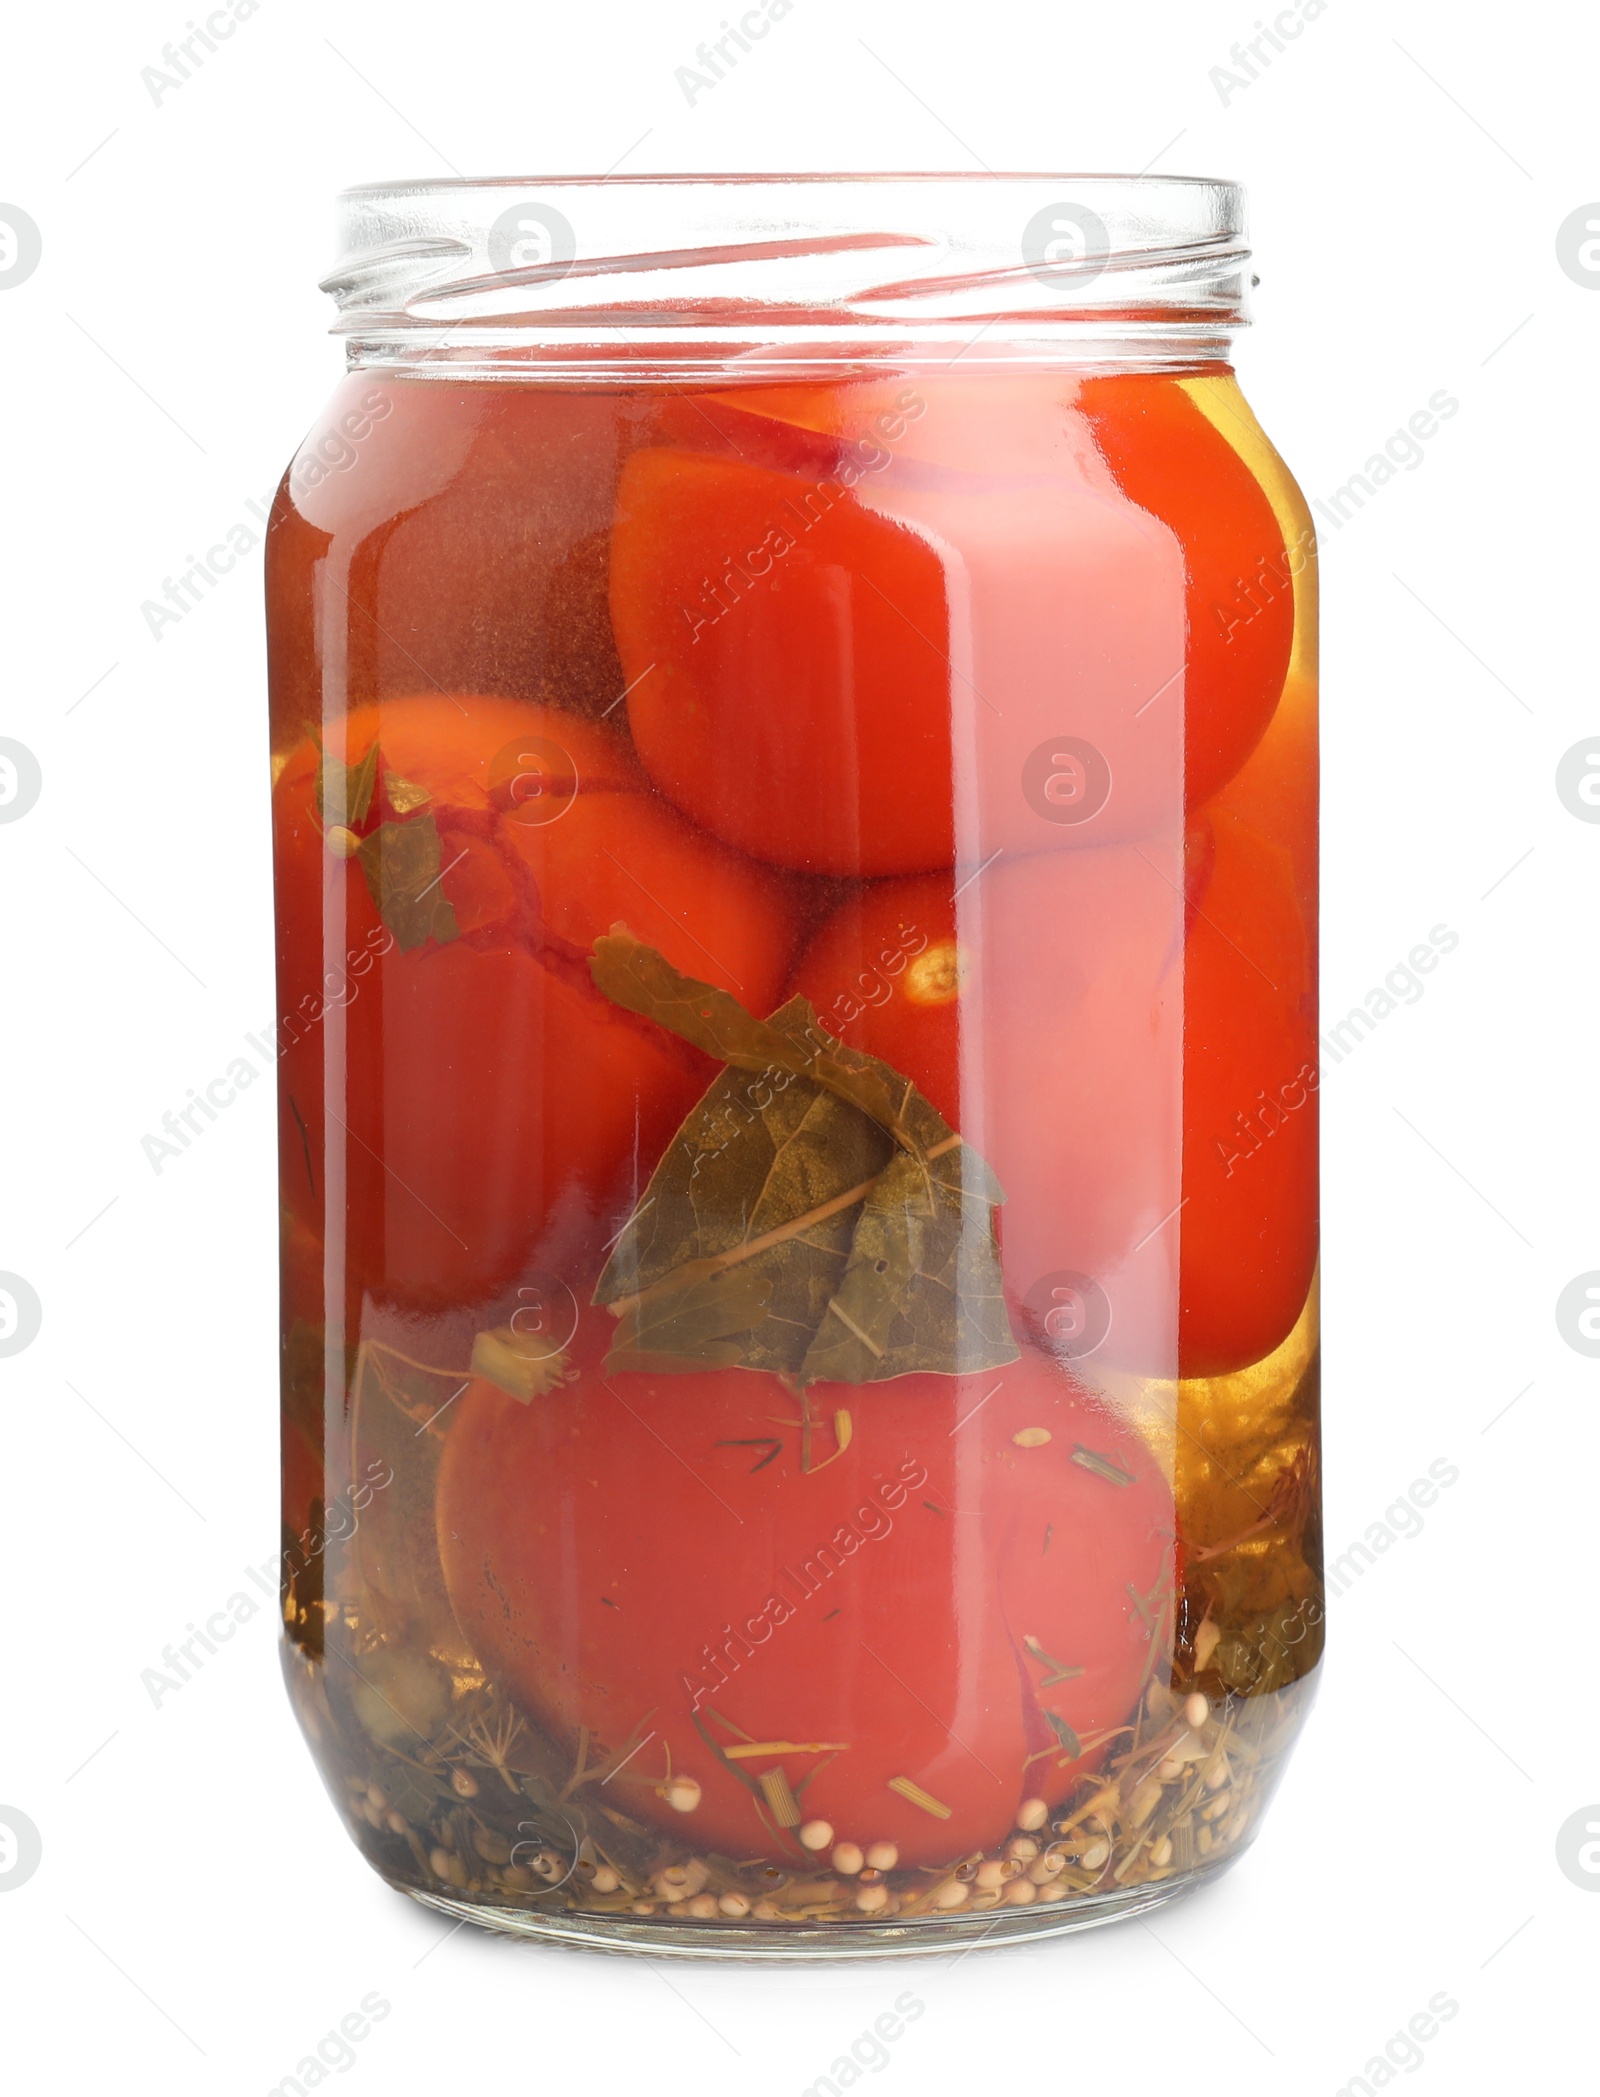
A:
(795, 810)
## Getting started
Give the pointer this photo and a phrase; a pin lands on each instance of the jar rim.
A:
(562, 274)
(823, 178)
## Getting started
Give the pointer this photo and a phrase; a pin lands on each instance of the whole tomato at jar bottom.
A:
(432, 967)
(1041, 1012)
(904, 1607)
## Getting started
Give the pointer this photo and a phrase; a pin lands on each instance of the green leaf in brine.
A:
(923, 1278)
(742, 1237)
(404, 796)
(405, 871)
(707, 1321)
(1064, 1733)
(793, 1041)
(344, 792)
(814, 1216)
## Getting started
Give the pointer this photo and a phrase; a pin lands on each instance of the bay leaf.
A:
(793, 1040)
(923, 1279)
(707, 1319)
(344, 792)
(745, 1229)
(404, 867)
(814, 1215)
(404, 796)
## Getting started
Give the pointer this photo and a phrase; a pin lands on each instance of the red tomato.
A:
(1171, 460)
(644, 1555)
(490, 1092)
(1039, 1014)
(1249, 1107)
(786, 653)
(859, 625)
(1059, 1058)
(807, 654)
(886, 973)
(1276, 793)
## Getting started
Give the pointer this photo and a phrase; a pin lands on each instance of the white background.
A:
(199, 1921)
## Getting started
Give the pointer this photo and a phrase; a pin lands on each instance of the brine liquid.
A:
(796, 952)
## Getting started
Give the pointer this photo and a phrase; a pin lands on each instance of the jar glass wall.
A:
(794, 792)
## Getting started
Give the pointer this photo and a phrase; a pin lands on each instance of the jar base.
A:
(925, 1937)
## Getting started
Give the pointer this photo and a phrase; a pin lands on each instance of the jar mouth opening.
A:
(789, 271)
